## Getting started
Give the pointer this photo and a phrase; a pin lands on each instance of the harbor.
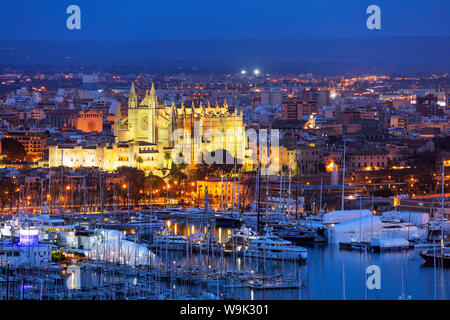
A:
(224, 156)
(178, 258)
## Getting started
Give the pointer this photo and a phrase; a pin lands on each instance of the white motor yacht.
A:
(164, 241)
(270, 246)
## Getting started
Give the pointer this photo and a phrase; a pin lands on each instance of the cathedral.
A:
(152, 134)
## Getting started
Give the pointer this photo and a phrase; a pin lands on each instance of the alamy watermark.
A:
(374, 277)
(374, 20)
(73, 22)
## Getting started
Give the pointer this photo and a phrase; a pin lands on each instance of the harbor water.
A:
(329, 273)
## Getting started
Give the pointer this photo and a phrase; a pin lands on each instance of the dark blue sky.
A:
(220, 19)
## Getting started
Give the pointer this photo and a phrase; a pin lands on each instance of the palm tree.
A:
(176, 173)
(134, 180)
(167, 157)
(139, 161)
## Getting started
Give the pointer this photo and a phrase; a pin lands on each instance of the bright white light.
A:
(243, 71)
(256, 72)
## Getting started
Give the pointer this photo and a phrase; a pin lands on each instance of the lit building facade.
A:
(33, 141)
(148, 136)
(89, 121)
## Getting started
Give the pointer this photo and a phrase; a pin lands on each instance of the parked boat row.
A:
(378, 245)
(243, 242)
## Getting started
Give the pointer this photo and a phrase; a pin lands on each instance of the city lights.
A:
(280, 161)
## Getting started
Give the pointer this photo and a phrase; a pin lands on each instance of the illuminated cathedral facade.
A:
(152, 133)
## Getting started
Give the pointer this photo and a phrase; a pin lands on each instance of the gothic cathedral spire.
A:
(132, 97)
(153, 96)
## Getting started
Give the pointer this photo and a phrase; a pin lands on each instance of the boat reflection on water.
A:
(197, 231)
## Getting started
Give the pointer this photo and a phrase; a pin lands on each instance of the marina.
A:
(224, 155)
(177, 258)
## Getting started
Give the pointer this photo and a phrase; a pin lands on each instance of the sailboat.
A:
(441, 257)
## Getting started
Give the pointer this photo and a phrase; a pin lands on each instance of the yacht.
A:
(396, 229)
(151, 222)
(192, 214)
(164, 241)
(10, 229)
(298, 235)
(239, 239)
(354, 245)
(226, 221)
(272, 247)
(436, 256)
(251, 218)
(205, 241)
(26, 253)
(49, 227)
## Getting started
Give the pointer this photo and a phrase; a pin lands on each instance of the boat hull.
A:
(301, 257)
(431, 259)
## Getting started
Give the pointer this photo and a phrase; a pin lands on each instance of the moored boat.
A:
(273, 247)
(436, 257)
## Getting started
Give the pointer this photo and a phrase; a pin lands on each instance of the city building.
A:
(153, 133)
(398, 122)
(33, 141)
(89, 121)
(428, 106)
(360, 160)
(220, 191)
(271, 96)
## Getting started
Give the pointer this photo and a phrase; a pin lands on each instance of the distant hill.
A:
(329, 56)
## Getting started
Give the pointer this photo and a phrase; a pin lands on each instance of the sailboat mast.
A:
(84, 191)
(225, 202)
(221, 191)
(62, 185)
(50, 188)
(360, 226)
(267, 199)
(442, 200)
(234, 183)
(296, 186)
(281, 178)
(343, 180)
(42, 193)
(371, 226)
(267, 181)
(288, 204)
(343, 280)
(320, 200)
(101, 197)
(151, 200)
(128, 199)
(259, 197)
(239, 193)
(442, 214)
